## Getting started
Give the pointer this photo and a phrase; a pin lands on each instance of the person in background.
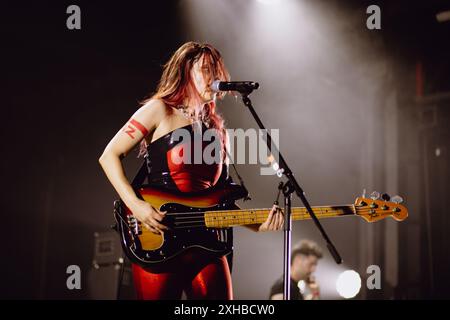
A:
(304, 259)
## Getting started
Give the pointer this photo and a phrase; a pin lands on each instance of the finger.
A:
(151, 228)
(272, 222)
(158, 225)
(269, 217)
(158, 217)
(278, 220)
(265, 226)
(281, 223)
(148, 220)
(280, 226)
(151, 224)
(281, 218)
(163, 213)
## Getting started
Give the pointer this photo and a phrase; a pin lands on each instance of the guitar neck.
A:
(230, 218)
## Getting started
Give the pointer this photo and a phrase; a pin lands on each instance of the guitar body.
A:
(185, 218)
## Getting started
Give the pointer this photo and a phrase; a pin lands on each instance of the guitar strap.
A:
(241, 181)
(141, 175)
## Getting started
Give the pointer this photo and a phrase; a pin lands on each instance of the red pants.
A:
(200, 275)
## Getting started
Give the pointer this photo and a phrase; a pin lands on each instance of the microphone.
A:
(240, 86)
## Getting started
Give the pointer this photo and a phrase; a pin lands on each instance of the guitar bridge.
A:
(133, 225)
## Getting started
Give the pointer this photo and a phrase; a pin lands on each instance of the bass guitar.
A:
(200, 219)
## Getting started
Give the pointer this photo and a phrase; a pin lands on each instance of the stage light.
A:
(348, 284)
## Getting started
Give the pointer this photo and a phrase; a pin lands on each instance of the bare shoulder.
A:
(152, 113)
(155, 108)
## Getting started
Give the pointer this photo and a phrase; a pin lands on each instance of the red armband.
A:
(132, 126)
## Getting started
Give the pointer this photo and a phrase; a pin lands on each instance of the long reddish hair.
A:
(176, 83)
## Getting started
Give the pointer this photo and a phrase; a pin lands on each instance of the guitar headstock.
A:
(374, 209)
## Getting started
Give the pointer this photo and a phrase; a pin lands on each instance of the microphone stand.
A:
(288, 188)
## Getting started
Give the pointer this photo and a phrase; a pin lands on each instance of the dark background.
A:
(66, 93)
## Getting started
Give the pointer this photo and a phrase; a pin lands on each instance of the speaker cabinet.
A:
(110, 276)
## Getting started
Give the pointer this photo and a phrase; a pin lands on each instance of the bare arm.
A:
(144, 121)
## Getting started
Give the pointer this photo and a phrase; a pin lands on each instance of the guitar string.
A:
(259, 211)
(248, 215)
(240, 211)
(188, 215)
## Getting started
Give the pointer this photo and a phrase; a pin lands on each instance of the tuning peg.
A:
(397, 199)
(375, 195)
(385, 197)
(364, 193)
